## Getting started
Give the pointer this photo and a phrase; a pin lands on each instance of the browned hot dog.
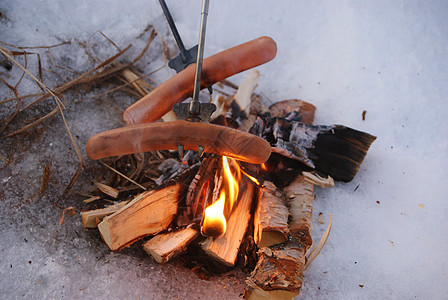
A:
(169, 135)
(215, 68)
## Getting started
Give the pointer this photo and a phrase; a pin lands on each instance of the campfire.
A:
(232, 213)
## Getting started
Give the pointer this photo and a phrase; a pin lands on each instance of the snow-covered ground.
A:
(389, 58)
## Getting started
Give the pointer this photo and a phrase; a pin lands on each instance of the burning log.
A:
(164, 247)
(149, 213)
(91, 218)
(201, 188)
(271, 217)
(225, 247)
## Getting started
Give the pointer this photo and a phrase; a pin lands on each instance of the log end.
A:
(104, 229)
(271, 238)
(260, 294)
(164, 247)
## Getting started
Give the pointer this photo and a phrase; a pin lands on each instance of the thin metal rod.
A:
(201, 43)
(170, 20)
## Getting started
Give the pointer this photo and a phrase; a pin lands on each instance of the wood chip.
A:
(110, 191)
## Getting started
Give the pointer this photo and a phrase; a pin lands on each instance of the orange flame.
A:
(232, 181)
(214, 215)
(214, 222)
(264, 167)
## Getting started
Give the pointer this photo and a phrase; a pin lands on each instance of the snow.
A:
(389, 237)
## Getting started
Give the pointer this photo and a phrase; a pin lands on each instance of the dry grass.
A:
(106, 69)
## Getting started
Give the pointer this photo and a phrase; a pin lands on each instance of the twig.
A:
(60, 107)
(34, 47)
(316, 250)
(122, 175)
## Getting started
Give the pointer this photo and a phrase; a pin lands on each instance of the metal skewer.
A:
(196, 111)
(201, 43)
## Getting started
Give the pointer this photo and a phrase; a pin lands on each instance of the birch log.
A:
(271, 217)
(280, 270)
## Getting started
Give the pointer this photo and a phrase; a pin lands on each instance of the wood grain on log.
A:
(149, 213)
(271, 217)
(225, 247)
(166, 246)
(89, 218)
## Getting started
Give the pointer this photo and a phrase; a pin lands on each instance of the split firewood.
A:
(246, 89)
(149, 213)
(166, 246)
(89, 218)
(201, 188)
(239, 107)
(225, 247)
(271, 217)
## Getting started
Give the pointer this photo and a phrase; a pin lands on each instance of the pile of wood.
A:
(268, 227)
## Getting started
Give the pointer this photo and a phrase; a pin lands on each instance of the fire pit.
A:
(230, 213)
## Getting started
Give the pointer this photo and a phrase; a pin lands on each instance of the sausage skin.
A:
(169, 135)
(215, 68)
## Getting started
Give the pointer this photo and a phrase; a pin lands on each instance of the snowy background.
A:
(389, 238)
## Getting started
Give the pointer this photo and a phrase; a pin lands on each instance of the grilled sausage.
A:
(215, 68)
(169, 135)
